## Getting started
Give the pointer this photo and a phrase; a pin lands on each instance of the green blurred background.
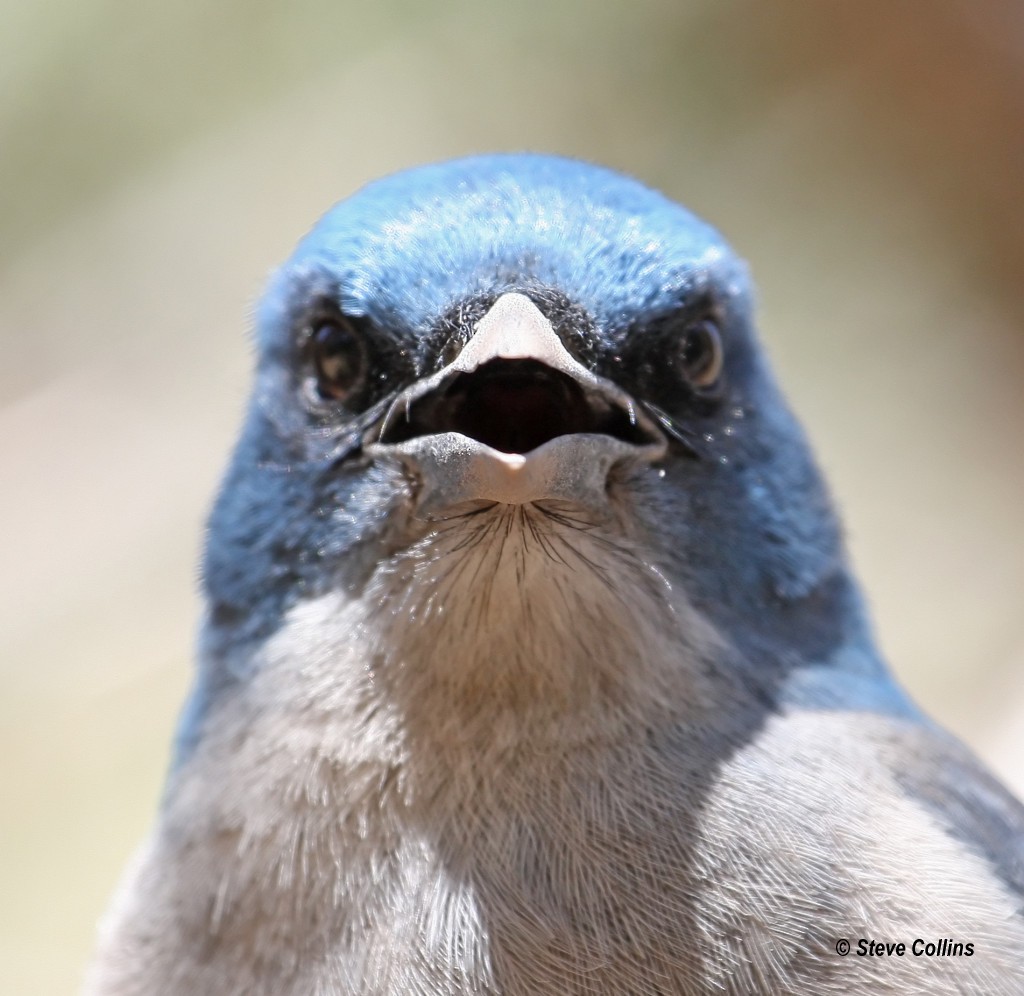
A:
(157, 160)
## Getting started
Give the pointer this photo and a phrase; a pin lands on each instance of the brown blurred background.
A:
(157, 160)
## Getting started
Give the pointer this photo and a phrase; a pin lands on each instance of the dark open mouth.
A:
(514, 405)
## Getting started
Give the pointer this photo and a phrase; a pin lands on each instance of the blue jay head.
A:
(518, 341)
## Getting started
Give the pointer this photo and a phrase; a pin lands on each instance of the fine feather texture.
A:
(642, 745)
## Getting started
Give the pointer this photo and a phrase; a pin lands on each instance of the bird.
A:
(531, 659)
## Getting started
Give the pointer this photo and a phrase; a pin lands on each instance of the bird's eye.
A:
(699, 353)
(339, 358)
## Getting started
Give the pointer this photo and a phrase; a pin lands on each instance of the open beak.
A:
(514, 419)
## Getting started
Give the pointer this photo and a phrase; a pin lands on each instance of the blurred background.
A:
(156, 160)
